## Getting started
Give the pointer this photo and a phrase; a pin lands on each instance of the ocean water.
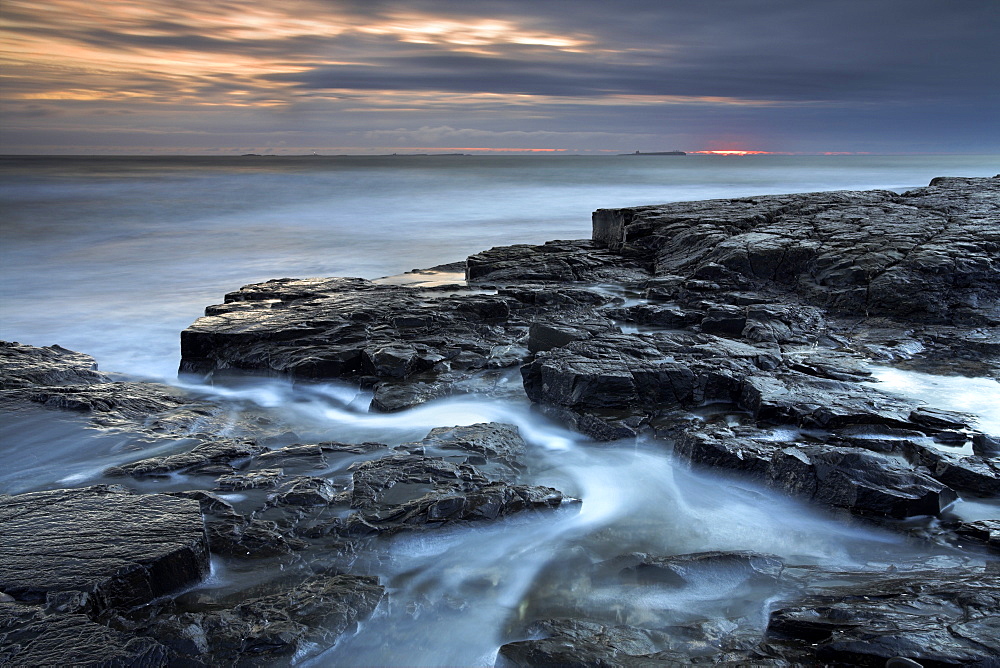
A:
(114, 256)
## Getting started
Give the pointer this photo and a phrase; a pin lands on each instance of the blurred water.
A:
(114, 256)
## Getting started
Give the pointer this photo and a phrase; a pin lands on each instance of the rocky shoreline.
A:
(737, 334)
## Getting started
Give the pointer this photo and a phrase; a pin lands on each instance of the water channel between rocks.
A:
(456, 594)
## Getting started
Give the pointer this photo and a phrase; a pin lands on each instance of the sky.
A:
(565, 76)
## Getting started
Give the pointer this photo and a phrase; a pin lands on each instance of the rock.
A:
(125, 404)
(978, 475)
(679, 570)
(929, 254)
(264, 630)
(581, 643)
(261, 479)
(99, 549)
(494, 447)
(984, 531)
(342, 328)
(560, 261)
(304, 491)
(862, 482)
(203, 455)
(985, 446)
(411, 491)
(643, 373)
(488, 502)
(549, 334)
(311, 455)
(935, 619)
(250, 539)
(30, 636)
(27, 366)
(400, 478)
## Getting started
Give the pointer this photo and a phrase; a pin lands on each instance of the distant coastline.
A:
(655, 153)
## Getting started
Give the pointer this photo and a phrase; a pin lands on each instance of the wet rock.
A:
(304, 491)
(800, 399)
(98, 549)
(935, 619)
(485, 443)
(261, 479)
(31, 636)
(978, 475)
(863, 482)
(250, 538)
(201, 456)
(488, 502)
(650, 372)
(983, 531)
(127, 405)
(560, 261)
(682, 569)
(667, 316)
(581, 643)
(985, 446)
(342, 328)
(311, 455)
(400, 478)
(928, 254)
(571, 642)
(549, 334)
(27, 366)
(264, 630)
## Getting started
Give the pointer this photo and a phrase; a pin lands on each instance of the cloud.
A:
(578, 71)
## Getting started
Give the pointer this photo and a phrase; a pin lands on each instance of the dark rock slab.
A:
(260, 479)
(983, 531)
(804, 400)
(579, 643)
(487, 502)
(399, 478)
(124, 404)
(27, 366)
(862, 482)
(484, 444)
(928, 255)
(554, 261)
(269, 629)
(99, 549)
(202, 455)
(304, 456)
(935, 619)
(343, 328)
(31, 636)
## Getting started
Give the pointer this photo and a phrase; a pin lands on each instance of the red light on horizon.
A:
(733, 152)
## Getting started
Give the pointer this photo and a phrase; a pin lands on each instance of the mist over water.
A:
(115, 256)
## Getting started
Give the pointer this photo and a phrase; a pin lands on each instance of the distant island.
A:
(656, 153)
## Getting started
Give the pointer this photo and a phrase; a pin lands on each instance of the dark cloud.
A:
(854, 73)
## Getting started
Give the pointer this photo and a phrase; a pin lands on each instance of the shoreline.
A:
(769, 309)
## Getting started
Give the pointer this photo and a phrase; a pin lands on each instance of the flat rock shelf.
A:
(730, 338)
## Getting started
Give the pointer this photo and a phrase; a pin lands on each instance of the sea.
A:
(114, 256)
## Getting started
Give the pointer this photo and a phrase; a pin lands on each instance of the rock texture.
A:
(99, 549)
(28, 366)
(736, 334)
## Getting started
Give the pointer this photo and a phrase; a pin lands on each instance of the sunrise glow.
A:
(734, 152)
